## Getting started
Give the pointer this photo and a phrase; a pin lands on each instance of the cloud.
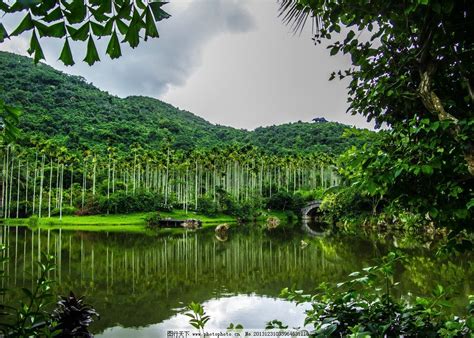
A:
(158, 63)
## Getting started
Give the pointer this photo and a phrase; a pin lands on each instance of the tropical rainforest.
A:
(69, 148)
(72, 113)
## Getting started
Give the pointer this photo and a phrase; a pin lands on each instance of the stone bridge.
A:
(309, 207)
(306, 218)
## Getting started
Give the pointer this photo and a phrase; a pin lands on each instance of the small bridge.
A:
(308, 214)
(309, 208)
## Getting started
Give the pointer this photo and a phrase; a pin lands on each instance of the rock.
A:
(221, 229)
(272, 222)
(221, 232)
(191, 224)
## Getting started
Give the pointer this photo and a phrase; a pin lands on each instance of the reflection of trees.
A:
(136, 280)
(423, 273)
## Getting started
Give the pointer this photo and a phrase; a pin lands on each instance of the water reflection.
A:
(251, 311)
(135, 281)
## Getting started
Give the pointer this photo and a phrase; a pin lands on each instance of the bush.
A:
(283, 200)
(363, 306)
(247, 210)
(153, 220)
(66, 210)
(141, 201)
(33, 221)
(207, 206)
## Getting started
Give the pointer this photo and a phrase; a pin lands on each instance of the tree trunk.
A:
(433, 104)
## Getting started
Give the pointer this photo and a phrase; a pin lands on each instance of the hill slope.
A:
(76, 114)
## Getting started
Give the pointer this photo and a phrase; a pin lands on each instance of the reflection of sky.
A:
(250, 311)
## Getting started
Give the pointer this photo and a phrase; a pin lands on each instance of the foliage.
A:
(275, 324)
(412, 69)
(73, 316)
(77, 21)
(81, 21)
(197, 315)
(153, 220)
(32, 317)
(364, 305)
(33, 221)
(75, 114)
(399, 174)
(9, 119)
(121, 202)
(284, 200)
(207, 206)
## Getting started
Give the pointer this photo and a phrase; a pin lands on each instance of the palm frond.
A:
(295, 14)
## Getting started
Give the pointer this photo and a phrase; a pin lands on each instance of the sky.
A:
(232, 62)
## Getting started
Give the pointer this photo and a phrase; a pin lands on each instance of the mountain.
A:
(76, 114)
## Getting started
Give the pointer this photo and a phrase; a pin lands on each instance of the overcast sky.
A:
(231, 62)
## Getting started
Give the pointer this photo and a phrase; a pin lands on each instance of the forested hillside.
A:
(76, 114)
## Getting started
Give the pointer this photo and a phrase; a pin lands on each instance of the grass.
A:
(132, 223)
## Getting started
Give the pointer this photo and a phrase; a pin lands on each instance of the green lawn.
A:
(134, 223)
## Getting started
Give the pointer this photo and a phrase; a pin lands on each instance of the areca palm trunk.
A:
(72, 184)
(34, 183)
(196, 187)
(40, 203)
(84, 183)
(18, 190)
(5, 185)
(11, 186)
(61, 192)
(94, 160)
(26, 186)
(50, 186)
(57, 184)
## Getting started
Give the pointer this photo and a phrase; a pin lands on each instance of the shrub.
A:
(283, 200)
(153, 220)
(66, 210)
(363, 306)
(247, 210)
(73, 316)
(120, 202)
(207, 206)
(33, 221)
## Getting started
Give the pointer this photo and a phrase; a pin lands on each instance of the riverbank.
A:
(135, 222)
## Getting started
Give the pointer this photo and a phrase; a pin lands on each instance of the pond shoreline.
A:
(128, 223)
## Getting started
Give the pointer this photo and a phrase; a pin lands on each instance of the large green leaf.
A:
(3, 33)
(66, 55)
(25, 25)
(92, 56)
(97, 29)
(158, 13)
(57, 30)
(35, 48)
(133, 32)
(54, 15)
(113, 48)
(77, 11)
(150, 29)
(80, 34)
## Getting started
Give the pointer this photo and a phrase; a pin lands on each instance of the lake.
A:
(140, 284)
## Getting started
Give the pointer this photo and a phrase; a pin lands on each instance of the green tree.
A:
(412, 69)
(409, 59)
(78, 20)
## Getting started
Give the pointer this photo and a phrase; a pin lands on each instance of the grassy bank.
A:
(133, 223)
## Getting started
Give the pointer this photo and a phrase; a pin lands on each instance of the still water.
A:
(140, 284)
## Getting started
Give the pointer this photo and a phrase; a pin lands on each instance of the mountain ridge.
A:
(76, 114)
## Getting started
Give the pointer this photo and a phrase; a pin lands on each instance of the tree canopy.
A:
(122, 21)
(412, 69)
(410, 58)
(75, 114)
